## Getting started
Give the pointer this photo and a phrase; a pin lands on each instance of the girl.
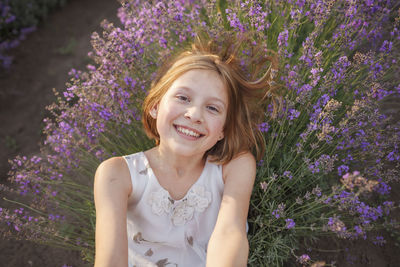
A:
(185, 201)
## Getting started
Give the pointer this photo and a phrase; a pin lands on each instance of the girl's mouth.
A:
(187, 132)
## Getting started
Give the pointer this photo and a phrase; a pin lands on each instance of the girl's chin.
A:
(182, 150)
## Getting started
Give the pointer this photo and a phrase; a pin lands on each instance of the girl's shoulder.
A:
(244, 160)
(114, 171)
(114, 165)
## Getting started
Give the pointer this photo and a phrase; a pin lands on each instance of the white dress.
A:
(167, 232)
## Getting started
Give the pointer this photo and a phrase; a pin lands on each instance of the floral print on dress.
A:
(138, 238)
(164, 262)
(149, 253)
(144, 171)
(190, 240)
(180, 211)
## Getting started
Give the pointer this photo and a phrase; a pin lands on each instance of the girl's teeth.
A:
(188, 132)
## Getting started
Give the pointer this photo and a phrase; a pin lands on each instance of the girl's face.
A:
(190, 117)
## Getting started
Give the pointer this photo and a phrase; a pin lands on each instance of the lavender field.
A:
(327, 189)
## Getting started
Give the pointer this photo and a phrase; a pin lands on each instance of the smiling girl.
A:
(185, 201)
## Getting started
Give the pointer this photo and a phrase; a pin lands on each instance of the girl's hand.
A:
(228, 245)
(112, 187)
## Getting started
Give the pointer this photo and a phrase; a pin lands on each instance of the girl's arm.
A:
(112, 187)
(228, 245)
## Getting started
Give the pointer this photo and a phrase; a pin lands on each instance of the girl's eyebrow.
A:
(211, 98)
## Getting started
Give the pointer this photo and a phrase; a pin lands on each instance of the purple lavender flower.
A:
(342, 168)
(303, 259)
(337, 226)
(359, 232)
(293, 114)
(288, 174)
(289, 223)
(279, 212)
(386, 46)
(264, 127)
(383, 188)
(379, 241)
(283, 38)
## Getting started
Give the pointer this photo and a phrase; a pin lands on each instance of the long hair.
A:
(250, 89)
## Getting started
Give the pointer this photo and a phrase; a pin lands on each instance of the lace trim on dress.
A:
(180, 211)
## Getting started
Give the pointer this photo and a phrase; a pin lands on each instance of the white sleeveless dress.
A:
(167, 232)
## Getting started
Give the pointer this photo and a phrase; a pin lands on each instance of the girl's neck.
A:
(177, 165)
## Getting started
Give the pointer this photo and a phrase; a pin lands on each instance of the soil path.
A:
(41, 63)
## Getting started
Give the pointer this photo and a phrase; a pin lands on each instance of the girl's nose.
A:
(194, 114)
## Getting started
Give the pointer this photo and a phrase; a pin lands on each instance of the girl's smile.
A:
(188, 132)
(192, 110)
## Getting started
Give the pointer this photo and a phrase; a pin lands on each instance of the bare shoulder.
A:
(242, 164)
(114, 165)
(114, 171)
(239, 175)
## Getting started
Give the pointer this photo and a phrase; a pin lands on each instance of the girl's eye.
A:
(182, 98)
(212, 108)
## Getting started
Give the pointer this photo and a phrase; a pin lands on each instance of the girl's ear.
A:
(153, 112)
(221, 136)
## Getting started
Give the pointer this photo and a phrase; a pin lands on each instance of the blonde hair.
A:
(247, 97)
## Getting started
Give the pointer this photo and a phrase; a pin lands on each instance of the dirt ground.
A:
(41, 63)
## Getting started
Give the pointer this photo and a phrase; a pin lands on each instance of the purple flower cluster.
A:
(290, 223)
(303, 259)
(234, 21)
(324, 164)
(379, 241)
(364, 215)
(279, 212)
(337, 226)
(283, 38)
(264, 127)
(288, 174)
